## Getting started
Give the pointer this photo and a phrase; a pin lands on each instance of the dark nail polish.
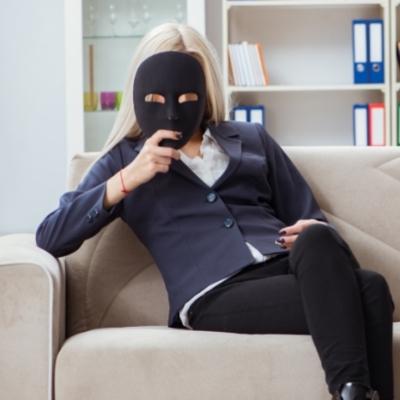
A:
(282, 232)
(280, 240)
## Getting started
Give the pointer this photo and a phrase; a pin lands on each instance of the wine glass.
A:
(92, 18)
(112, 16)
(179, 12)
(133, 14)
(145, 13)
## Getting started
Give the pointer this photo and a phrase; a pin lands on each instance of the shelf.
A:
(100, 111)
(139, 36)
(295, 88)
(306, 3)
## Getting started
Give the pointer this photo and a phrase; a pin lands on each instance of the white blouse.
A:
(209, 167)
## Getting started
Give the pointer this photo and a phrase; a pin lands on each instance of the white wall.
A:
(213, 24)
(34, 149)
(32, 112)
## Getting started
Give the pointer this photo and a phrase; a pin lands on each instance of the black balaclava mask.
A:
(169, 92)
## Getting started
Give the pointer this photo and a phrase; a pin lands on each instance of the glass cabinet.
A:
(111, 30)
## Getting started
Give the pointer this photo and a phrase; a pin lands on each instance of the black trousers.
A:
(318, 288)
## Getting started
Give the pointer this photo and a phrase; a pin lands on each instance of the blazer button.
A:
(94, 213)
(211, 197)
(228, 222)
(89, 218)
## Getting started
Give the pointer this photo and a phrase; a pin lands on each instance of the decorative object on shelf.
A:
(118, 100)
(91, 98)
(108, 100)
(247, 65)
(368, 63)
(90, 101)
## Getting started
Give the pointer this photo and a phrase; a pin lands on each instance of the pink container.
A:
(108, 100)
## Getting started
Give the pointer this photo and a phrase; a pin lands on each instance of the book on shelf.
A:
(369, 124)
(247, 66)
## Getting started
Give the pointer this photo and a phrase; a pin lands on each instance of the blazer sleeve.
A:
(81, 213)
(292, 198)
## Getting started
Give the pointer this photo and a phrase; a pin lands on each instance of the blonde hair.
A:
(169, 36)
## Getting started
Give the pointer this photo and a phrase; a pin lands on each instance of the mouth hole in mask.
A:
(188, 97)
(154, 98)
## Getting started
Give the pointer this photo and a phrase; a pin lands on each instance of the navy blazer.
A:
(196, 233)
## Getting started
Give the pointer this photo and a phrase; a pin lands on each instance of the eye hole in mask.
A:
(154, 98)
(159, 98)
(188, 97)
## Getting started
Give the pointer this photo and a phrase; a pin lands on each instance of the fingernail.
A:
(179, 134)
(282, 232)
(281, 240)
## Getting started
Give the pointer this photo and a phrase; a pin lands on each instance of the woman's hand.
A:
(151, 159)
(289, 234)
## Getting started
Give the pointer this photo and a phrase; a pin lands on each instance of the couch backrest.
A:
(112, 279)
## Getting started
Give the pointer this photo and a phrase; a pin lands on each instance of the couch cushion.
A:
(156, 362)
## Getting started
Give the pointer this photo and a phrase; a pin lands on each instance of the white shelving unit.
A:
(308, 51)
(395, 71)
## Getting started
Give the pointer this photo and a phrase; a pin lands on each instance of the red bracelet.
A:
(122, 182)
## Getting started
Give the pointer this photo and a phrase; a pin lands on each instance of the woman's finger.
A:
(288, 240)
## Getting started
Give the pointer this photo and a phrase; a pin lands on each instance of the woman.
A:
(216, 195)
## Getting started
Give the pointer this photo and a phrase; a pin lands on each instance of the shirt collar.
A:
(206, 139)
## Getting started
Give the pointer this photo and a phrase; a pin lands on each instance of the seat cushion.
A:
(158, 362)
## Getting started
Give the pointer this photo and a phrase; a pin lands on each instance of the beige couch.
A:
(99, 331)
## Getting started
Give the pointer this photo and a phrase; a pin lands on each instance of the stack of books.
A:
(247, 65)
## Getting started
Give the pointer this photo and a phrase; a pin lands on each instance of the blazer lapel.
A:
(227, 137)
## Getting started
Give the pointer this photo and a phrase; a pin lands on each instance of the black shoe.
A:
(355, 391)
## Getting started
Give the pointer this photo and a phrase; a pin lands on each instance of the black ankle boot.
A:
(355, 391)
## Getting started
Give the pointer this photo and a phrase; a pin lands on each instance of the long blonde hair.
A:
(174, 37)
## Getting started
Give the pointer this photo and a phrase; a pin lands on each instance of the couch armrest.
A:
(32, 317)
